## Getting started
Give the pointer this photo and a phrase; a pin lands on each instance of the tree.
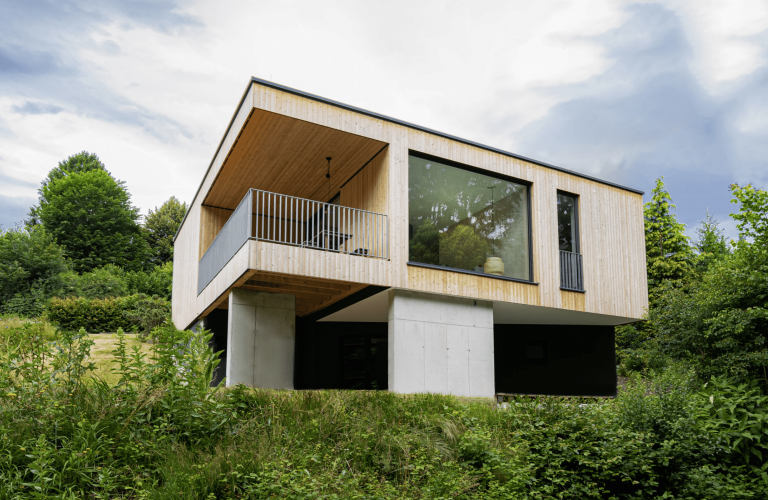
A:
(160, 227)
(667, 250)
(90, 214)
(720, 321)
(710, 244)
(77, 163)
(30, 265)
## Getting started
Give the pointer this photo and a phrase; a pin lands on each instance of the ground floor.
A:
(412, 342)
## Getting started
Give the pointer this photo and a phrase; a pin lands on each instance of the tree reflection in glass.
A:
(459, 218)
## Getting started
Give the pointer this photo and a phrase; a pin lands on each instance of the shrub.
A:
(107, 281)
(108, 314)
(147, 313)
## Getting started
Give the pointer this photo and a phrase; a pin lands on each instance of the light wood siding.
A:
(211, 221)
(185, 308)
(367, 190)
(611, 224)
(286, 259)
(185, 251)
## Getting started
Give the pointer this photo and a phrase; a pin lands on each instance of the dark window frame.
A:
(577, 225)
(495, 175)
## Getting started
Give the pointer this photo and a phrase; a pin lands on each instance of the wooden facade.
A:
(278, 141)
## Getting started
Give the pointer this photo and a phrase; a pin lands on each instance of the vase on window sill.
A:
(494, 265)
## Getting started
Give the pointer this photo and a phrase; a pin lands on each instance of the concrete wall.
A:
(440, 344)
(261, 336)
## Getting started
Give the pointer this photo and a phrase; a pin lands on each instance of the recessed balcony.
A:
(290, 220)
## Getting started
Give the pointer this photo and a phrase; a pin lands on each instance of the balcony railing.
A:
(571, 271)
(289, 220)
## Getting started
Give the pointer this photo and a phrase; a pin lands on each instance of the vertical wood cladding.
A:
(610, 220)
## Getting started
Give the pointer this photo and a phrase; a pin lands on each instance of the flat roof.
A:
(372, 114)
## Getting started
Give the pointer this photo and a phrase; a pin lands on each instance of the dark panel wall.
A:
(216, 322)
(319, 350)
(555, 360)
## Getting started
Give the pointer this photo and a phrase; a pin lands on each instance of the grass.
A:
(102, 353)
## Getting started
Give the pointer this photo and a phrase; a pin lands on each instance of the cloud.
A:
(52, 39)
(648, 115)
(37, 108)
(13, 210)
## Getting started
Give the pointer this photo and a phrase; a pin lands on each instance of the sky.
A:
(624, 91)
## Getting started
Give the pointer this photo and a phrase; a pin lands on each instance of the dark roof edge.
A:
(338, 104)
(435, 132)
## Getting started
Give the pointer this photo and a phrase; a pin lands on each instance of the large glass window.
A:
(465, 220)
(567, 223)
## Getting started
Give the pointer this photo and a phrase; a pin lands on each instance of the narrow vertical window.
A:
(567, 223)
(571, 270)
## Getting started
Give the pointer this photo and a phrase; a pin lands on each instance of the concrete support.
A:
(440, 344)
(261, 338)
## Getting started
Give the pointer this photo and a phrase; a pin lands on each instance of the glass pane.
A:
(566, 222)
(466, 220)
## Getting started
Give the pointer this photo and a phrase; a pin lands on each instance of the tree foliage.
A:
(77, 163)
(719, 321)
(90, 214)
(30, 265)
(667, 248)
(710, 243)
(160, 226)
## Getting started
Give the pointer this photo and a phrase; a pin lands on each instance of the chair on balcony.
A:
(322, 231)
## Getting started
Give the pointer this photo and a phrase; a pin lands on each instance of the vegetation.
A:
(159, 431)
(160, 227)
(30, 266)
(90, 215)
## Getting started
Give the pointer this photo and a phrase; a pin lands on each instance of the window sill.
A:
(473, 273)
(572, 290)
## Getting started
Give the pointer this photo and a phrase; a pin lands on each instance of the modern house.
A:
(333, 247)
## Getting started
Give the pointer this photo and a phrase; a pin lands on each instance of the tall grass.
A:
(159, 431)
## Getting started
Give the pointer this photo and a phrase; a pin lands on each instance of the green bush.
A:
(108, 314)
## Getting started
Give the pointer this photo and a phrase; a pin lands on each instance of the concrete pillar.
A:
(440, 344)
(261, 338)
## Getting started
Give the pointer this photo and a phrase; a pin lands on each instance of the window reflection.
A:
(566, 223)
(465, 220)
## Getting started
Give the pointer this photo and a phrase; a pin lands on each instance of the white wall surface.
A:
(440, 344)
(261, 339)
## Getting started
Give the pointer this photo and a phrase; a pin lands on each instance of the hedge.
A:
(99, 315)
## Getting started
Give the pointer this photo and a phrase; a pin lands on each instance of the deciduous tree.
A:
(90, 214)
(160, 226)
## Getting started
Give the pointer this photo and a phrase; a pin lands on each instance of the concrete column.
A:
(261, 338)
(440, 344)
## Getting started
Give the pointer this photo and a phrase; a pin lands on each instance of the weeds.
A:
(158, 431)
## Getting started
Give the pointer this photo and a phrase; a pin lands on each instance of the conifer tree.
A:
(710, 244)
(667, 248)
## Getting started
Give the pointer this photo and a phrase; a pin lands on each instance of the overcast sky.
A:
(625, 91)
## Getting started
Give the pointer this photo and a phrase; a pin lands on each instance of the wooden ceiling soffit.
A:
(286, 155)
(312, 294)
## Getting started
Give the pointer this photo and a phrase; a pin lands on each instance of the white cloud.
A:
(151, 91)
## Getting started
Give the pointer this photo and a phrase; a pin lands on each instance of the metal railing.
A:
(226, 244)
(289, 220)
(312, 224)
(571, 271)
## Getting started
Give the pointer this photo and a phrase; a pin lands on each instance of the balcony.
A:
(571, 271)
(289, 220)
